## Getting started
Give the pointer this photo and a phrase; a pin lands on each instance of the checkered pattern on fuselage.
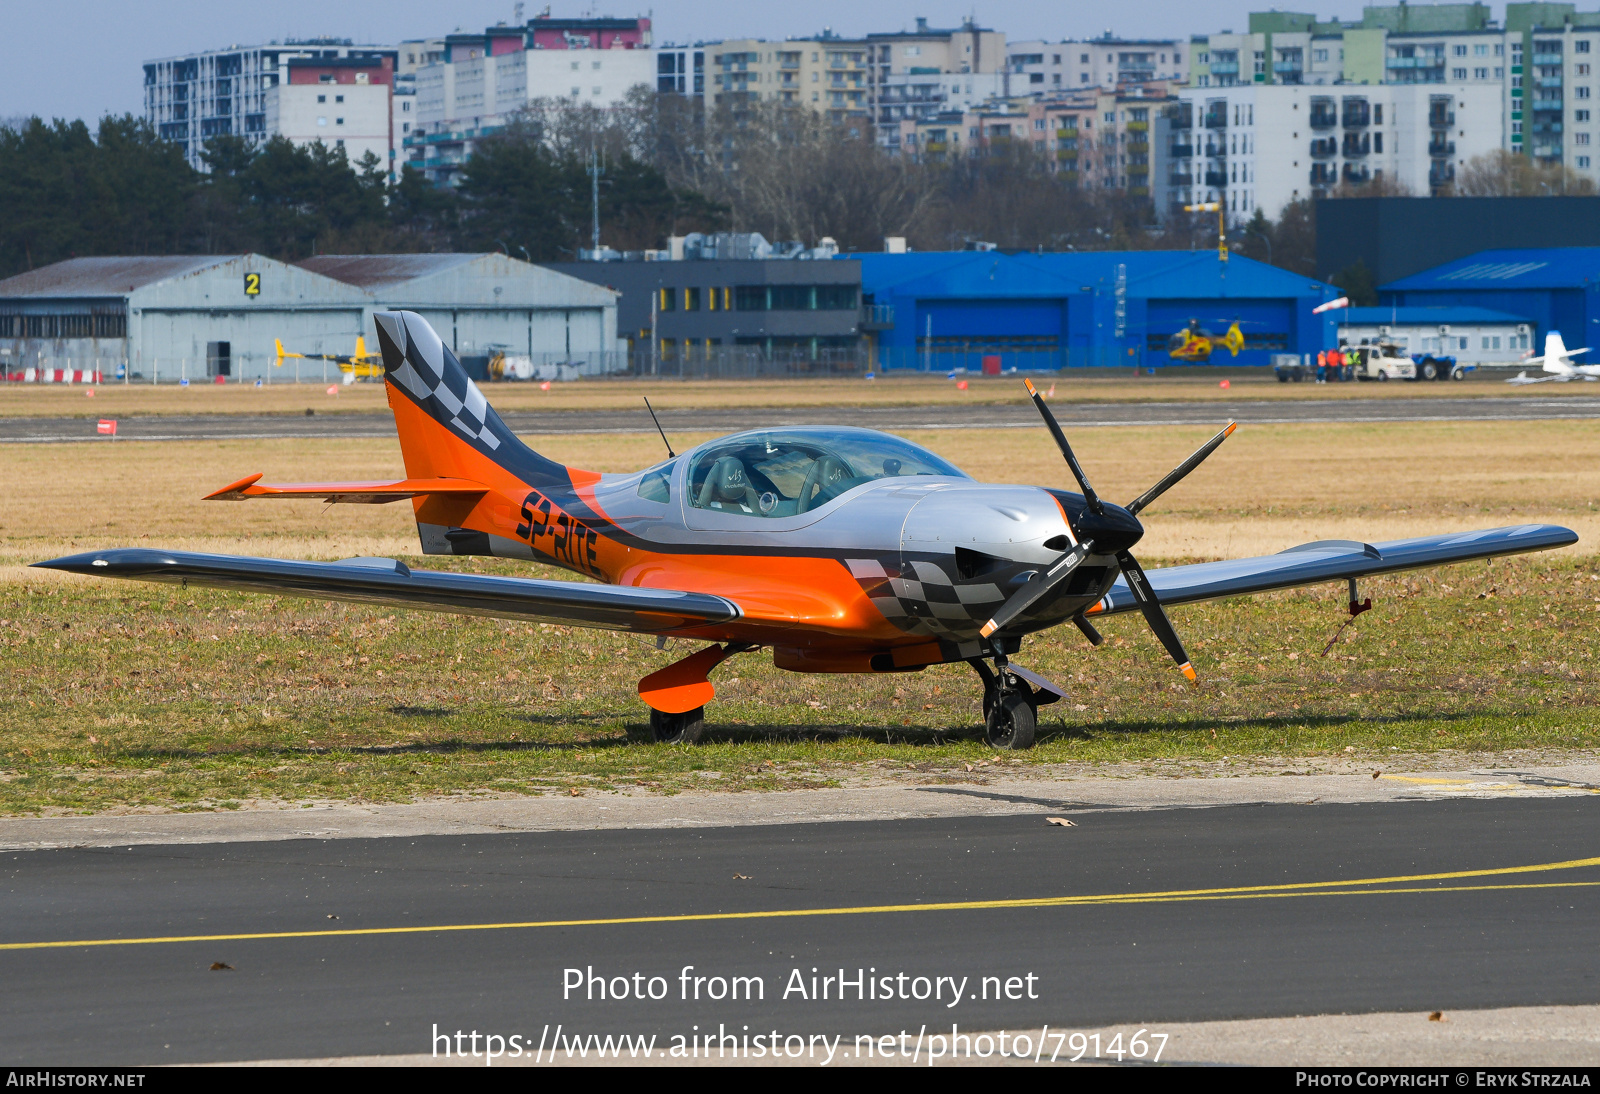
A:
(922, 599)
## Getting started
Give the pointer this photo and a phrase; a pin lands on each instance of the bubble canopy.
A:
(783, 472)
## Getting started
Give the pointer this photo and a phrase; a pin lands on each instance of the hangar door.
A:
(1022, 333)
(1267, 326)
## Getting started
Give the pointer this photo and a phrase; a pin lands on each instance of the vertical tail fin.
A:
(447, 428)
(1554, 348)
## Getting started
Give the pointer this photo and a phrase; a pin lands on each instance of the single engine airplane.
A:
(840, 550)
(359, 365)
(1557, 360)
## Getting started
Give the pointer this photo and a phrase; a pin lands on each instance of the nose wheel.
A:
(1010, 708)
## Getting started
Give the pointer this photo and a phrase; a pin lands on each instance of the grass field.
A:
(112, 400)
(133, 696)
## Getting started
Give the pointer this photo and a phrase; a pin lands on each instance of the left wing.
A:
(361, 493)
(1330, 560)
(386, 581)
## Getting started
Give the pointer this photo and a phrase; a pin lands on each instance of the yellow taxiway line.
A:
(1372, 886)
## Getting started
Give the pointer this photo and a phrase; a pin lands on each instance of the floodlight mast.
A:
(1222, 229)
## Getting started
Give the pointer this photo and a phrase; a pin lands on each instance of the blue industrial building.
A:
(943, 310)
(1551, 288)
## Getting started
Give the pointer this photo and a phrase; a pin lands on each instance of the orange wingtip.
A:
(1188, 671)
(234, 491)
(1031, 390)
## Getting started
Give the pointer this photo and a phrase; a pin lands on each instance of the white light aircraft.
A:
(1557, 361)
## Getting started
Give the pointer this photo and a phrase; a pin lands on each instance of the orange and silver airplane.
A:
(840, 550)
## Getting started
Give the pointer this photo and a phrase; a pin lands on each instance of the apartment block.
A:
(913, 74)
(479, 80)
(256, 92)
(1094, 139)
(1049, 68)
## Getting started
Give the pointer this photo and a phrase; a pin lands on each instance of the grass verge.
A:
(132, 696)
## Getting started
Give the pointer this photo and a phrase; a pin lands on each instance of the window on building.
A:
(1580, 115)
(1458, 74)
(1377, 114)
(1500, 51)
(1480, 74)
(1580, 92)
(338, 98)
(1377, 142)
(1581, 70)
(1319, 55)
(1583, 161)
(1499, 73)
(574, 66)
(1581, 46)
(667, 300)
(691, 299)
(322, 121)
(1480, 51)
(322, 98)
(1460, 51)
(338, 121)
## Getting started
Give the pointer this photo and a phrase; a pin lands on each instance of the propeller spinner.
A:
(1113, 529)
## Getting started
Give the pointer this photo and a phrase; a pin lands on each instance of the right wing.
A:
(385, 581)
(361, 493)
(1330, 560)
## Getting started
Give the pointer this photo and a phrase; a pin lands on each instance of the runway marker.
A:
(1355, 887)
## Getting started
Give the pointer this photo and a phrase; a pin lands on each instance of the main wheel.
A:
(678, 729)
(1382, 376)
(1010, 723)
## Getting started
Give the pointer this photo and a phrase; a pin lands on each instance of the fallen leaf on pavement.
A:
(218, 966)
(1062, 821)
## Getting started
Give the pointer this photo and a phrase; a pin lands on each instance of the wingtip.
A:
(234, 491)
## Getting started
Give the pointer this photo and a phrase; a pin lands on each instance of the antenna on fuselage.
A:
(671, 455)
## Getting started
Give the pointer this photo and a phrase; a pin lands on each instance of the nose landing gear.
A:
(1010, 706)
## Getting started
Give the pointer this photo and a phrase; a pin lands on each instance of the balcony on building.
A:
(1216, 179)
(1324, 114)
(1323, 147)
(1324, 174)
(1440, 116)
(1356, 174)
(1441, 174)
(1357, 113)
(1356, 145)
(1182, 151)
(1217, 116)
(1438, 147)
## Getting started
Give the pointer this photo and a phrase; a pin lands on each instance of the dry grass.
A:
(117, 400)
(1268, 487)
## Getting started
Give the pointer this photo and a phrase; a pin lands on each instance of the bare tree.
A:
(1506, 174)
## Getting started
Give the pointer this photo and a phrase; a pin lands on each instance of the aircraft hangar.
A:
(204, 316)
(1077, 309)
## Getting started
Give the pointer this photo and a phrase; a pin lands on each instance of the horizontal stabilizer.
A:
(390, 583)
(1331, 560)
(359, 493)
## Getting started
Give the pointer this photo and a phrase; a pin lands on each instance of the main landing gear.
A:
(678, 729)
(1010, 705)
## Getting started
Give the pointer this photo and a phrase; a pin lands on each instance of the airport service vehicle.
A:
(1432, 366)
(1382, 361)
(1557, 361)
(839, 550)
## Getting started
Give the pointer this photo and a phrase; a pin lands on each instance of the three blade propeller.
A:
(1114, 529)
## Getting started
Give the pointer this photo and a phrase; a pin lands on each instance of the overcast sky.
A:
(82, 58)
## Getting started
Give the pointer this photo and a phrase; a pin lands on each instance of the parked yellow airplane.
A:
(359, 365)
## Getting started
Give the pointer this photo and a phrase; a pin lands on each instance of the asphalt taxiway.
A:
(1020, 415)
(362, 946)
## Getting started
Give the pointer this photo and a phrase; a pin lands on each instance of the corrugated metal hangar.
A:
(1552, 288)
(953, 309)
(198, 316)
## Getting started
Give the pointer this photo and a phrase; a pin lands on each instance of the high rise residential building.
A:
(479, 80)
(825, 73)
(907, 70)
(1049, 68)
(306, 90)
(1409, 92)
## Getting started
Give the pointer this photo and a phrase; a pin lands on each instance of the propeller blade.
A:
(1176, 475)
(1154, 613)
(1089, 495)
(1036, 587)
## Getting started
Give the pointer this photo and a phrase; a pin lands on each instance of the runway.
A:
(1126, 917)
(1018, 416)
